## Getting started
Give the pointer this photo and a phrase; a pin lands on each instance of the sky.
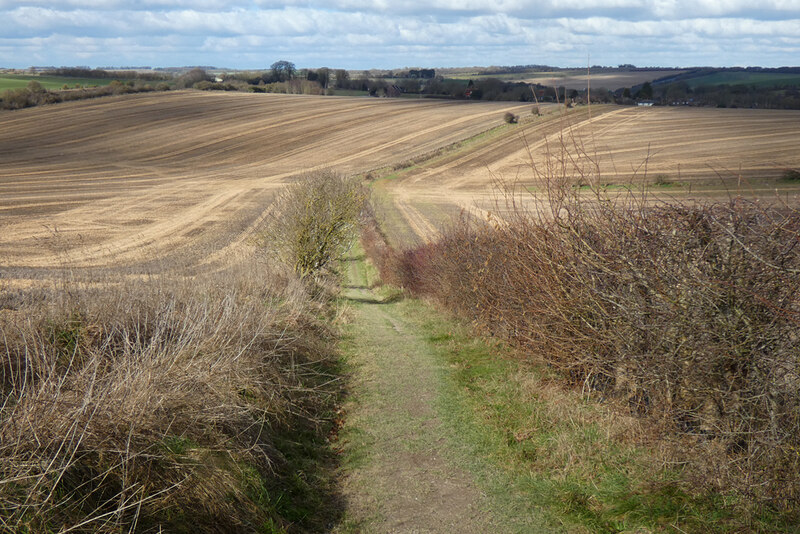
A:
(355, 34)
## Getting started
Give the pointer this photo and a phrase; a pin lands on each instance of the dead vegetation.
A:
(160, 404)
(686, 314)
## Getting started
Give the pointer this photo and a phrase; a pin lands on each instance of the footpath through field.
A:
(447, 432)
(400, 473)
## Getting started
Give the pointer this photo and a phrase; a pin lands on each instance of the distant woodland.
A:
(751, 87)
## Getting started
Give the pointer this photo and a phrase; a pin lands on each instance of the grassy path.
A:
(445, 432)
(402, 476)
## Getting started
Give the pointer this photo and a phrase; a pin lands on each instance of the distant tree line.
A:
(284, 77)
(425, 74)
(680, 93)
(676, 89)
(36, 95)
(742, 96)
(80, 72)
(730, 96)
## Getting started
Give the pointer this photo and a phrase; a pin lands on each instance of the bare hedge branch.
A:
(687, 313)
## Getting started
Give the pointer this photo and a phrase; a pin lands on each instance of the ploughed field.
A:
(180, 182)
(671, 152)
(143, 184)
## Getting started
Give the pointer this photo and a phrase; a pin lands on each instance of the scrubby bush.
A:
(35, 87)
(15, 99)
(510, 118)
(315, 220)
(206, 85)
(192, 77)
(35, 95)
(77, 72)
(292, 87)
(686, 313)
(791, 175)
(32, 95)
(661, 179)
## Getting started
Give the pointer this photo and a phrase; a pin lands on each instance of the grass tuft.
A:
(791, 175)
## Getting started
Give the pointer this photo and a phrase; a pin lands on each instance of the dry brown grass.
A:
(137, 406)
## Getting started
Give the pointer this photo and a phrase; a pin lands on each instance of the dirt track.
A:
(178, 180)
(407, 479)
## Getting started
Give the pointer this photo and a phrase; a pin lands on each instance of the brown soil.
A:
(614, 80)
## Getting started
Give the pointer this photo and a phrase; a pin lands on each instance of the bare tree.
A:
(283, 70)
(342, 77)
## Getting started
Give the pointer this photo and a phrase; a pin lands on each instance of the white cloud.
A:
(249, 33)
(722, 28)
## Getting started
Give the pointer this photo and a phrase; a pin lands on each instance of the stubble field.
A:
(146, 183)
(180, 182)
(680, 153)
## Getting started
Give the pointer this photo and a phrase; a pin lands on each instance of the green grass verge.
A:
(545, 453)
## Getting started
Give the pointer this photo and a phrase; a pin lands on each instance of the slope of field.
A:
(690, 150)
(776, 79)
(170, 181)
(17, 81)
(610, 79)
